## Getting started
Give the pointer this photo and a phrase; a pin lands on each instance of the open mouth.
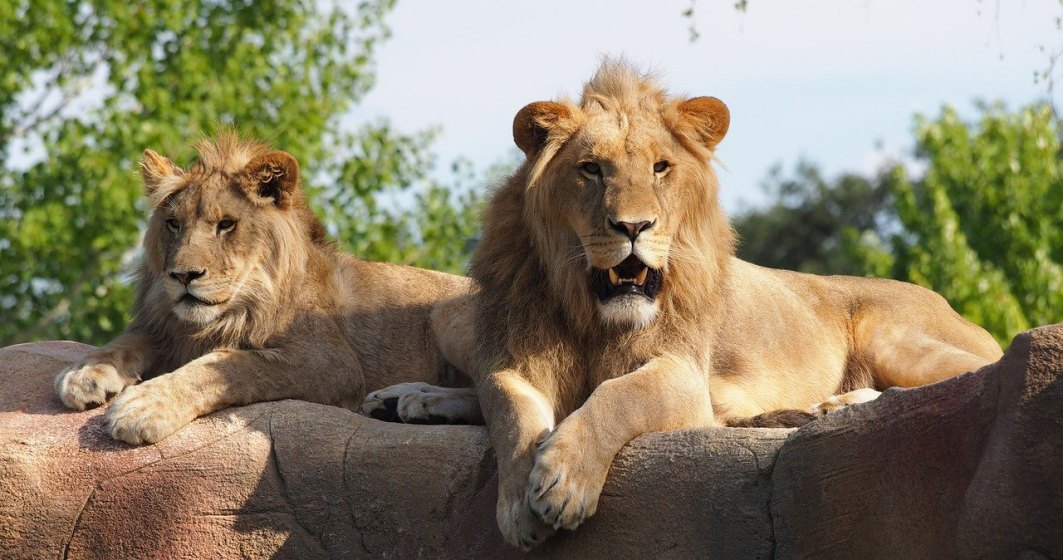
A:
(631, 276)
(196, 302)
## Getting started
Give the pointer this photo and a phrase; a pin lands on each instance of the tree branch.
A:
(38, 327)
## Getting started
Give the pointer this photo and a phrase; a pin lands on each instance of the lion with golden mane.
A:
(612, 304)
(241, 298)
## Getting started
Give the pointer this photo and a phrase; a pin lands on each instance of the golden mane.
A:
(227, 152)
(619, 88)
(295, 238)
(525, 253)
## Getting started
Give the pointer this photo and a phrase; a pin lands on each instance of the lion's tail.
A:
(773, 419)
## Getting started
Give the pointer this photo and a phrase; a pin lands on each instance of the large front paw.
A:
(567, 478)
(82, 386)
(145, 413)
(520, 527)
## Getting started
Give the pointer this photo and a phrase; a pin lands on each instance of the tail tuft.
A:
(773, 419)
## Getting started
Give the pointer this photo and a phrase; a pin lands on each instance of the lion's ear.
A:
(707, 118)
(533, 124)
(273, 177)
(158, 173)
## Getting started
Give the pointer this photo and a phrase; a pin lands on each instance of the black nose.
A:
(186, 276)
(631, 229)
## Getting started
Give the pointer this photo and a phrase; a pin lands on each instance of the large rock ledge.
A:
(968, 468)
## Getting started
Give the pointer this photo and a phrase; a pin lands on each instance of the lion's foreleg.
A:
(572, 464)
(453, 327)
(518, 417)
(107, 371)
(149, 412)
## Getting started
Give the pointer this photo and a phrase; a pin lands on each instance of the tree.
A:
(86, 85)
(806, 227)
(980, 226)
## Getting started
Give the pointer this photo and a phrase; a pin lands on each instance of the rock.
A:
(968, 468)
(971, 467)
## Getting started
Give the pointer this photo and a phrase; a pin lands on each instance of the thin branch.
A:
(30, 121)
(64, 304)
(47, 89)
(30, 333)
(26, 127)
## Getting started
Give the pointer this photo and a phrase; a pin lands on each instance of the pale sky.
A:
(828, 80)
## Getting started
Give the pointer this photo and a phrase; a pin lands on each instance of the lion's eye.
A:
(173, 225)
(660, 167)
(591, 168)
(226, 224)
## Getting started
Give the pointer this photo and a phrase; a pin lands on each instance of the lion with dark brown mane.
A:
(241, 298)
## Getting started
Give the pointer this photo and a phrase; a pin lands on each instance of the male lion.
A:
(611, 304)
(241, 299)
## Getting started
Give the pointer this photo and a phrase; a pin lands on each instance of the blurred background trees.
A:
(87, 85)
(979, 224)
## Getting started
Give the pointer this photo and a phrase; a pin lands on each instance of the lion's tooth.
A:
(641, 278)
(614, 278)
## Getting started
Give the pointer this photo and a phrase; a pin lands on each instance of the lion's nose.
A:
(186, 276)
(632, 229)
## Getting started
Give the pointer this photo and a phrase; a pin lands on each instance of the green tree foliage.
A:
(807, 225)
(980, 226)
(87, 85)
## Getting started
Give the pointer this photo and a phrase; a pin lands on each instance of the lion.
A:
(611, 304)
(242, 298)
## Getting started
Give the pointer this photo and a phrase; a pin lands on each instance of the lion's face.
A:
(622, 185)
(212, 234)
(207, 235)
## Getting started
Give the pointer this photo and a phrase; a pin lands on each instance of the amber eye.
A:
(660, 167)
(591, 168)
(226, 224)
(173, 225)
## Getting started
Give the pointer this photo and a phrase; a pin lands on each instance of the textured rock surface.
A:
(969, 468)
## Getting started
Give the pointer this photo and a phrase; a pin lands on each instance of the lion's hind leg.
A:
(912, 355)
(422, 403)
(910, 336)
(838, 402)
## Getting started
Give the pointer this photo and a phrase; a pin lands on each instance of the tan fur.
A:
(566, 380)
(294, 317)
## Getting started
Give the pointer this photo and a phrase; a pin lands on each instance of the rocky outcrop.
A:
(968, 468)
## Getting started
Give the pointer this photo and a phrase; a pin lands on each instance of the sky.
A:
(836, 82)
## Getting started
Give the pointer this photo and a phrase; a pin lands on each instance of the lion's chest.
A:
(612, 361)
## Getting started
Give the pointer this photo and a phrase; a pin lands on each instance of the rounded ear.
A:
(708, 119)
(533, 123)
(158, 172)
(273, 177)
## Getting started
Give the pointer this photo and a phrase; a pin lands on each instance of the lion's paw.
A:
(520, 527)
(82, 386)
(566, 481)
(422, 403)
(838, 402)
(144, 414)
